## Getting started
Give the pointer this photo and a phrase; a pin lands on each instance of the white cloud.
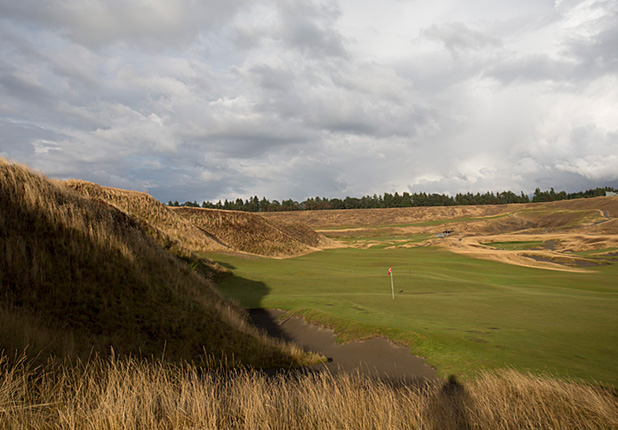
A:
(225, 99)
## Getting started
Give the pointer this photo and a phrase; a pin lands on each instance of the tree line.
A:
(395, 200)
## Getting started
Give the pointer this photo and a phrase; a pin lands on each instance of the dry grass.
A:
(129, 394)
(253, 234)
(78, 275)
(171, 231)
(186, 230)
(380, 217)
(575, 226)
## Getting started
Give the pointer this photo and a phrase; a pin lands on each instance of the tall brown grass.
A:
(79, 276)
(171, 231)
(251, 233)
(130, 394)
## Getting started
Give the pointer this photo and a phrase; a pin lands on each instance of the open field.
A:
(537, 295)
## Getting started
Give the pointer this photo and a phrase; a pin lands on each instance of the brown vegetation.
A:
(253, 234)
(185, 230)
(171, 231)
(79, 276)
(127, 394)
(572, 226)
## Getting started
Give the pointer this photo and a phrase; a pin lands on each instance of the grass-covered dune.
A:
(170, 230)
(78, 275)
(251, 233)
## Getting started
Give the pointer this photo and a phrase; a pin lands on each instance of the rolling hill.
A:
(187, 230)
(253, 234)
(571, 235)
(80, 276)
(171, 231)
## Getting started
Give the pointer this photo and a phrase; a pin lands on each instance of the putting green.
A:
(461, 314)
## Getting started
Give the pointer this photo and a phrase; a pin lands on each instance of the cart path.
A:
(377, 356)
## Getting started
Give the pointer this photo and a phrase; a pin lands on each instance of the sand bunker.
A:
(555, 255)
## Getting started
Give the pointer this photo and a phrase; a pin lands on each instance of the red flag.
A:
(390, 270)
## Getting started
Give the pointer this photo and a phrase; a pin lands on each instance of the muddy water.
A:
(377, 357)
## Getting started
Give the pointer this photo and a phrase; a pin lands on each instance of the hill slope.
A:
(250, 233)
(560, 214)
(571, 235)
(78, 275)
(186, 230)
(164, 225)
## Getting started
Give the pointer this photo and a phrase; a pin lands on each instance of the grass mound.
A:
(254, 234)
(78, 275)
(170, 230)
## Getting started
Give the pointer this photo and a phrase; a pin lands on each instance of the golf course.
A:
(120, 312)
(462, 313)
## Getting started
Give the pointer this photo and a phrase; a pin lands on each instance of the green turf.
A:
(462, 314)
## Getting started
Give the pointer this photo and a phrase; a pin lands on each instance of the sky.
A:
(224, 99)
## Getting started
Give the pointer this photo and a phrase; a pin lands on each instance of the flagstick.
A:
(392, 287)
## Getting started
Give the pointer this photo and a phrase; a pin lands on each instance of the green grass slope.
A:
(462, 314)
(78, 275)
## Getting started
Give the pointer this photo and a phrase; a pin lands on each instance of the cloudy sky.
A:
(214, 99)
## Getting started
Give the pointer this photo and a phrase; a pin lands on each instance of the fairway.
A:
(461, 314)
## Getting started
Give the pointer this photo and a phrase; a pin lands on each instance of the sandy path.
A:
(376, 357)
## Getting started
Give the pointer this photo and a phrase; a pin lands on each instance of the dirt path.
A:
(376, 357)
(605, 215)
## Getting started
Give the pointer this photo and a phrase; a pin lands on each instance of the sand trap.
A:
(377, 357)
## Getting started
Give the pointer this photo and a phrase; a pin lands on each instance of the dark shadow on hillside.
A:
(140, 303)
(226, 265)
(263, 319)
(248, 293)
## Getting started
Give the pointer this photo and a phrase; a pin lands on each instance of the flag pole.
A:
(392, 287)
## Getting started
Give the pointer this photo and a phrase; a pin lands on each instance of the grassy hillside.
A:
(186, 230)
(171, 231)
(78, 275)
(250, 233)
(568, 214)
